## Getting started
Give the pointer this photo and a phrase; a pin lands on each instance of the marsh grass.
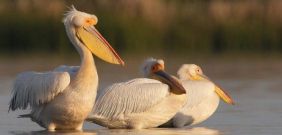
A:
(144, 26)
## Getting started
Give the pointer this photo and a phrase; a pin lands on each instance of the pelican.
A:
(202, 97)
(62, 99)
(141, 102)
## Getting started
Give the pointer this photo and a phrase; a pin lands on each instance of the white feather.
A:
(138, 103)
(33, 88)
(197, 91)
(202, 101)
(70, 69)
(134, 96)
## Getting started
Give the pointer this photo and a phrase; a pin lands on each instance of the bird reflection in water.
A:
(153, 131)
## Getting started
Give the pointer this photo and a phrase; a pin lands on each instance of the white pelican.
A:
(63, 98)
(202, 97)
(141, 102)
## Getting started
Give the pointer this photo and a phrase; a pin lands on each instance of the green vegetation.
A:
(179, 27)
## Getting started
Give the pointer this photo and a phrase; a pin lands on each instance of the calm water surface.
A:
(258, 108)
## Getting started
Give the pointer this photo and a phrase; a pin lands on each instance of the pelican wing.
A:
(134, 96)
(197, 91)
(33, 88)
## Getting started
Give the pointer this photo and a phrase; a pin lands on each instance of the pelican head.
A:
(191, 72)
(154, 69)
(194, 72)
(82, 33)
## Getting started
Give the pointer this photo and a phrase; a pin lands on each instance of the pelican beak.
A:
(200, 77)
(96, 43)
(175, 85)
(223, 95)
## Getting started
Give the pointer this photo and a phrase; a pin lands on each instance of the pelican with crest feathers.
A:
(62, 99)
(202, 97)
(141, 102)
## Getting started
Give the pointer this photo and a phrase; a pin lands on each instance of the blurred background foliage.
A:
(180, 27)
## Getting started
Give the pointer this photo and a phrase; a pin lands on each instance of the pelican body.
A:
(141, 102)
(63, 98)
(203, 97)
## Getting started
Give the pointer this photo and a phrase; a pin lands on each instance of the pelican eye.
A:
(198, 70)
(155, 68)
(90, 21)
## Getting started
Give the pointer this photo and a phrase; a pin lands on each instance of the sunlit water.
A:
(258, 109)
